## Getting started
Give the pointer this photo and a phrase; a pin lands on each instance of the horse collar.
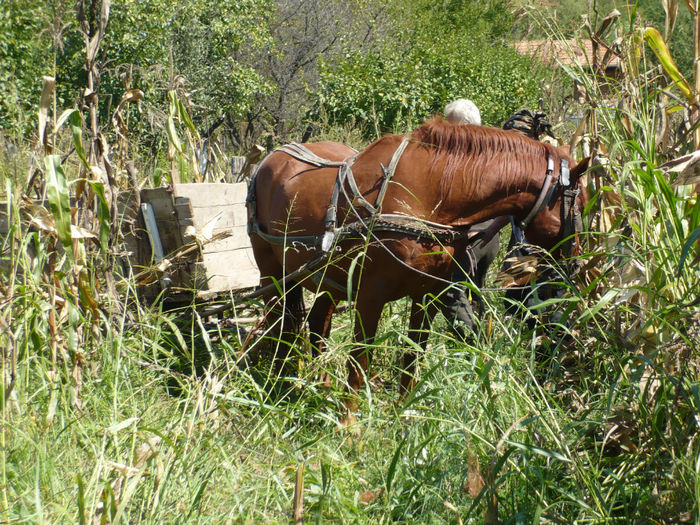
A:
(544, 196)
(571, 215)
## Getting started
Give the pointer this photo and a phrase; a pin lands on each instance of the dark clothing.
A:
(470, 266)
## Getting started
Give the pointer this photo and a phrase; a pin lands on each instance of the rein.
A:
(384, 222)
(396, 223)
(571, 216)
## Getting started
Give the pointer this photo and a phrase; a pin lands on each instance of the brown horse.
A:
(448, 178)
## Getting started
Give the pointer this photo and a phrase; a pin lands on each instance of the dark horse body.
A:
(454, 175)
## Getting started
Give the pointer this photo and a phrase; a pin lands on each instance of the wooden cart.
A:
(184, 242)
(200, 229)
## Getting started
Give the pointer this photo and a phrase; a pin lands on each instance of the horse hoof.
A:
(324, 380)
(349, 424)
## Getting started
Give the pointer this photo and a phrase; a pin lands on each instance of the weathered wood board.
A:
(209, 208)
(4, 219)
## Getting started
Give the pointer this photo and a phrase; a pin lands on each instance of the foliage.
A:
(117, 411)
(24, 58)
(256, 62)
(402, 82)
(566, 15)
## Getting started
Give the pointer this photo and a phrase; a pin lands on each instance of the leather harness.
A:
(397, 223)
(377, 221)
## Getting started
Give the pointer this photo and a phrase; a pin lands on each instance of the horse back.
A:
(291, 195)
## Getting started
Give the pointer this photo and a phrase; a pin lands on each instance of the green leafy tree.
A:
(448, 50)
(194, 46)
(25, 57)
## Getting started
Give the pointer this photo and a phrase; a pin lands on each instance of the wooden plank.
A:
(161, 199)
(238, 240)
(170, 237)
(183, 209)
(4, 219)
(224, 265)
(231, 217)
(237, 164)
(208, 194)
(226, 271)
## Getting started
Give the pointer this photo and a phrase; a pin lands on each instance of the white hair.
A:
(463, 110)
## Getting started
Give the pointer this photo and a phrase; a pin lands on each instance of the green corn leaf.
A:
(185, 117)
(63, 118)
(103, 213)
(172, 135)
(81, 499)
(392, 466)
(59, 199)
(689, 243)
(76, 125)
(656, 42)
(172, 132)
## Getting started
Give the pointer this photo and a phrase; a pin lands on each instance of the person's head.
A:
(463, 110)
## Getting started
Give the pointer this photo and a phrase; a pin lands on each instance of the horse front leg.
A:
(367, 313)
(419, 323)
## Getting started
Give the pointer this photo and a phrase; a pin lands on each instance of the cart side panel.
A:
(226, 264)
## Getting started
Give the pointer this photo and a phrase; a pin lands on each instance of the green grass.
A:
(222, 447)
(127, 414)
(133, 415)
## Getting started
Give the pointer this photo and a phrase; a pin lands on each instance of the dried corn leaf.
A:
(520, 271)
(49, 84)
(369, 496)
(475, 481)
(686, 167)
(127, 470)
(78, 232)
(146, 451)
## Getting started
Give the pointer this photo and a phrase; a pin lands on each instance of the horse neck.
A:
(485, 186)
(499, 187)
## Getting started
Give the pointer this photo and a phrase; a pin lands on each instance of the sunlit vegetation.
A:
(118, 410)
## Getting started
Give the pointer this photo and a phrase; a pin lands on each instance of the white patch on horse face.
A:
(463, 110)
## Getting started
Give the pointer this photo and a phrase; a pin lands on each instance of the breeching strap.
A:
(345, 175)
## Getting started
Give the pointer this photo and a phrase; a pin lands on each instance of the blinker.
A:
(565, 178)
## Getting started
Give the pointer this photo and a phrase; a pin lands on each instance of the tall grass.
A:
(119, 412)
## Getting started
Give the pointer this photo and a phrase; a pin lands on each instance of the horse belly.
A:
(293, 205)
(405, 267)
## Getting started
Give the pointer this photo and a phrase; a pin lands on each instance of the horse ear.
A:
(579, 170)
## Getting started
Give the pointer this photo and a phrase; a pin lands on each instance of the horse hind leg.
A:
(291, 323)
(284, 312)
(419, 323)
(320, 318)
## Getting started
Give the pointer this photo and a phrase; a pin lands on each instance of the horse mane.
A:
(455, 145)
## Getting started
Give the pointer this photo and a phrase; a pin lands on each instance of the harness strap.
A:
(389, 172)
(304, 154)
(543, 197)
(571, 218)
(297, 151)
(345, 175)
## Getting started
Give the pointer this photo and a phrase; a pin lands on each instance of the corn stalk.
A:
(182, 156)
